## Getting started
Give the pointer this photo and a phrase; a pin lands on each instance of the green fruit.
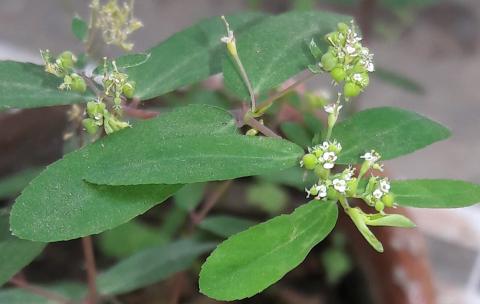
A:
(342, 28)
(351, 90)
(66, 58)
(78, 84)
(129, 89)
(388, 199)
(338, 74)
(90, 125)
(329, 62)
(332, 194)
(379, 206)
(352, 186)
(310, 161)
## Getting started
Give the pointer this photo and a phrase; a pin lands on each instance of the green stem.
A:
(344, 202)
(329, 133)
(247, 82)
(263, 106)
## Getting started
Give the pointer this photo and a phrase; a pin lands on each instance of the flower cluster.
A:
(62, 67)
(98, 116)
(116, 83)
(116, 23)
(346, 59)
(323, 155)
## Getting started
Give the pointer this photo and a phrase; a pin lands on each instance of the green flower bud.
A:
(379, 206)
(352, 186)
(90, 125)
(252, 132)
(331, 38)
(128, 89)
(338, 74)
(342, 28)
(310, 161)
(66, 59)
(78, 84)
(117, 100)
(388, 199)
(329, 62)
(351, 90)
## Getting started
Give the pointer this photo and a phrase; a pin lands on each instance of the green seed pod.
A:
(90, 125)
(329, 62)
(121, 78)
(342, 28)
(352, 187)
(310, 161)
(78, 84)
(332, 194)
(351, 90)
(313, 190)
(388, 199)
(366, 80)
(251, 132)
(321, 172)
(338, 74)
(66, 58)
(117, 100)
(379, 206)
(128, 89)
(331, 38)
(392, 220)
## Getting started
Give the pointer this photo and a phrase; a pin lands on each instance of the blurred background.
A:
(429, 48)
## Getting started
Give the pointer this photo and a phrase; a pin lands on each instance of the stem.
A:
(329, 133)
(343, 202)
(91, 271)
(177, 288)
(265, 130)
(44, 293)
(263, 106)
(130, 112)
(211, 201)
(245, 78)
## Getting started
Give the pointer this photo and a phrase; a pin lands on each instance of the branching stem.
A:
(262, 128)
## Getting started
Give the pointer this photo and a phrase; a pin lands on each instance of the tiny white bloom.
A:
(322, 191)
(325, 145)
(369, 157)
(301, 163)
(330, 108)
(378, 194)
(350, 49)
(357, 77)
(308, 192)
(364, 52)
(327, 159)
(228, 38)
(384, 186)
(341, 55)
(370, 67)
(339, 185)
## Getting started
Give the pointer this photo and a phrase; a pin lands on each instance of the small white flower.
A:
(325, 145)
(384, 186)
(327, 159)
(339, 185)
(341, 55)
(348, 173)
(228, 38)
(378, 194)
(357, 77)
(350, 49)
(370, 67)
(301, 163)
(330, 108)
(322, 191)
(370, 157)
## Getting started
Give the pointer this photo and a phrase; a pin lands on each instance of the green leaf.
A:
(79, 29)
(26, 85)
(267, 196)
(71, 291)
(435, 193)
(296, 133)
(252, 260)
(272, 52)
(398, 80)
(293, 177)
(13, 185)
(59, 205)
(314, 124)
(14, 253)
(129, 238)
(82, 61)
(152, 265)
(189, 56)
(123, 62)
(391, 132)
(315, 50)
(190, 196)
(191, 159)
(225, 226)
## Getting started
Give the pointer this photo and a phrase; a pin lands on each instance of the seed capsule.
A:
(310, 161)
(351, 90)
(338, 74)
(329, 62)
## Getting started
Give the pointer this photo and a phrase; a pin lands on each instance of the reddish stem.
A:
(44, 293)
(91, 270)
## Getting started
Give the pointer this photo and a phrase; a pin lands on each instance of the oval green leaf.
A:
(272, 52)
(26, 85)
(252, 260)
(79, 29)
(225, 226)
(187, 57)
(392, 132)
(435, 193)
(191, 159)
(60, 205)
(14, 252)
(151, 265)
(123, 62)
